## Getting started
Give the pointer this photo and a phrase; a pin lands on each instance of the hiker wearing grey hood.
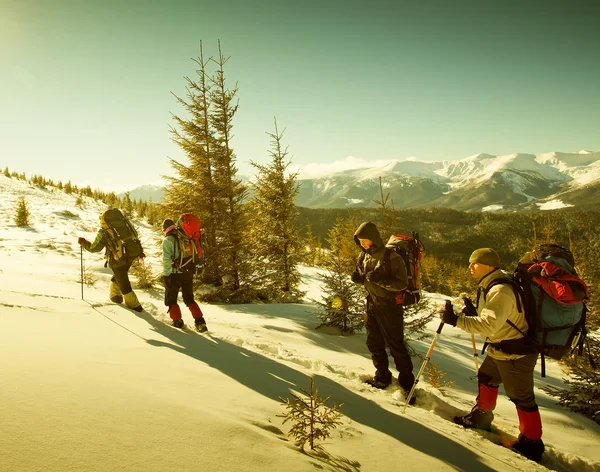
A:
(383, 274)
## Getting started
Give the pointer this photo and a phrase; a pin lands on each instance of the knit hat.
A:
(486, 256)
(167, 224)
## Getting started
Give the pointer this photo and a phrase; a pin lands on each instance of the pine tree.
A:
(79, 203)
(6, 172)
(311, 418)
(230, 213)
(193, 188)
(22, 213)
(127, 206)
(310, 247)
(343, 304)
(275, 239)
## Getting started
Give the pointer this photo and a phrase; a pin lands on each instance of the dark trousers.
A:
(517, 377)
(183, 281)
(385, 328)
(121, 277)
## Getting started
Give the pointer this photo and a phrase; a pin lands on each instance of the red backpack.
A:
(410, 249)
(189, 239)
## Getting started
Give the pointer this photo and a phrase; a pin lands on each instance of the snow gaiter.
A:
(530, 424)
(175, 312)
(195, 309)
(486, 400)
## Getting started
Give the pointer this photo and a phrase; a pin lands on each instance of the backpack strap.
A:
(517, 298)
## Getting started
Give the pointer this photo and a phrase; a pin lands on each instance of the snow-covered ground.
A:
(86, 385)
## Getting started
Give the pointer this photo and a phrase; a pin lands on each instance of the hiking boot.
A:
(377, 383)
(117, 299)
(178, 323)
(479, 419)
(200, 324)
(530, 448)
(138, 308)
(413, 399)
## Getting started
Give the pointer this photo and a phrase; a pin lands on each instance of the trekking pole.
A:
(412, 390)
(475, 355)
(81, 248)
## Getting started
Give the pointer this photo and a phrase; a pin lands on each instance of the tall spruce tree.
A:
(230, 212)
(343, 304)
(193, 188)
(275, 239)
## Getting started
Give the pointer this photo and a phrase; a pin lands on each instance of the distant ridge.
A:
(480, 182)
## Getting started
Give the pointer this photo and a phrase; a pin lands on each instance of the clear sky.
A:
(85, 86)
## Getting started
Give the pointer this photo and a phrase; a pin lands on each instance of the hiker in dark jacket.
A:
(120, 286)
(175, 278)
(498, 316)
(384, 320)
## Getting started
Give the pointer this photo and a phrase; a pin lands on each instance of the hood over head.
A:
(368, 230)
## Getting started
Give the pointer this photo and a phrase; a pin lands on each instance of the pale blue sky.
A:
(85, 86)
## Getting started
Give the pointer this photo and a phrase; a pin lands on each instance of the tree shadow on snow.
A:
(273, 379)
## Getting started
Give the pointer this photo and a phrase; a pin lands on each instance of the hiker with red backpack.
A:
(122, 247)
(385, 282)
(497, 315)
(181, 253)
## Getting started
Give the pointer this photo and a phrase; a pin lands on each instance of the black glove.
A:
(469, 309)
(374, 276)
(81, 241)
(357, 278)
(448, 315)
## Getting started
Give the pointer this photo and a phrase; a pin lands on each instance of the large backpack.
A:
(552, 296)
(188, 236)
(122, 240)
(411, 251)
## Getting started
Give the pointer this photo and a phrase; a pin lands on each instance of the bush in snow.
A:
(435, 376)
(143, 272)
(582, 394)
(87, 277)
(22, 213)
(311, 419)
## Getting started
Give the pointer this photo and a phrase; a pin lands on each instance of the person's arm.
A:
(396, 280)
(96, 246)
(493, 316)
(168, 250)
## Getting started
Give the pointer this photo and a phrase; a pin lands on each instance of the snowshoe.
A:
(479, 419)
(201, 324)
(178, 323)
(530, 448)
(412, 400)
(375, 382)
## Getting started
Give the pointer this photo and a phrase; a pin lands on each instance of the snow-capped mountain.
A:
(148, 192)
(478, 182)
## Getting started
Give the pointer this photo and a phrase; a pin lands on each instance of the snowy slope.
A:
(87, 385)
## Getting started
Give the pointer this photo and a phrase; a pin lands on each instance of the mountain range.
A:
(482, 182)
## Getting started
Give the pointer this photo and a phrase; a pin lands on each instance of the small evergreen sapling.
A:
(22, 213)
(143, 272)
(311, 419)
(343, 304)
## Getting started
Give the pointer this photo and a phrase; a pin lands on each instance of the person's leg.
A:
(121, 277)
(171, 294)
(391, 323)
(114, 290)
(518, 383)
(376, 346)
(488, 380)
